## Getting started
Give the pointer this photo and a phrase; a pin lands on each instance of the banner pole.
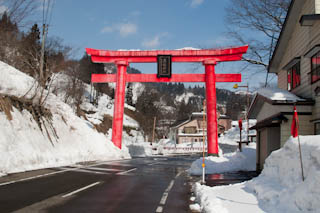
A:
(203, 141)
(295, 115)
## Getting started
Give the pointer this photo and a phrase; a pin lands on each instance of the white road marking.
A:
(151, 164)
(159, 209)
(125, 172)
(104, 169)
(85, 171)
(166, 193)
(81, 189)
(54, 173)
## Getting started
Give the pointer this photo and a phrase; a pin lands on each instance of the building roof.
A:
(277, 94)
(274, 96)
(274, 120)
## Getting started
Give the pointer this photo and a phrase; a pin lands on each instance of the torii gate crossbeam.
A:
(209, 58)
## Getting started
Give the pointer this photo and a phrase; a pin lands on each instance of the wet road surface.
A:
(229, 178)
(154, 184)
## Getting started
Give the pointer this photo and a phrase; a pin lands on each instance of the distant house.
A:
(193, 128)
(296, 61)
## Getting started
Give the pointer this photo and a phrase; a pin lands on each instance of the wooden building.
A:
(296, 62)
(193, 128)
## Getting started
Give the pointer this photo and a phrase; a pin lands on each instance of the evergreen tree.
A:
(129, 94)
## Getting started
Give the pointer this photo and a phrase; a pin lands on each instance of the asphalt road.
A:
(154, 184)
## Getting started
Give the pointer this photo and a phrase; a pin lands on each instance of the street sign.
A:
(164, 66)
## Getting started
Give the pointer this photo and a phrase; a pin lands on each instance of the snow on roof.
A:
(128, 50)
(277, 94)
(188, 48)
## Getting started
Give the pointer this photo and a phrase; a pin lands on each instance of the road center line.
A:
(166, 193)
(125, 172)
(81, 189)
(153, 163)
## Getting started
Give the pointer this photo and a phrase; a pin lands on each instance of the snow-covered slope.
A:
(63, 139)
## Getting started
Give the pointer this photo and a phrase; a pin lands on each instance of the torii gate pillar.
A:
(118, 112)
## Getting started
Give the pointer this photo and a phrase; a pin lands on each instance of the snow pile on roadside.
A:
(65, 138)
(232, 135)
(136, 144)
(229, 162)
(237, 161)
(224, 199)
(279, 188)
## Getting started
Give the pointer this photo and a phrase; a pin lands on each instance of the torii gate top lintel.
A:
(208, 58)
(150, 56)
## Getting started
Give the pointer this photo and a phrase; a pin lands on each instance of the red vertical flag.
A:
(295, 123)
(240, 124)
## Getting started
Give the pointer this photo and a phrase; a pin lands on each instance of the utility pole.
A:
(236, 86)
(248, 102)
(44, 34)
(154, 127)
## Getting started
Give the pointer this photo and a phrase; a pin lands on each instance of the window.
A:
(294, 78)
(315, 67)
(190, 130)
(317, 128)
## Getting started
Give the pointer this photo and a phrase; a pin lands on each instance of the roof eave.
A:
(289, 23)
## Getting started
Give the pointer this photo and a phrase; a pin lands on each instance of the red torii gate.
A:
(209, 58)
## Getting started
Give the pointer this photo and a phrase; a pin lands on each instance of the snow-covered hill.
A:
(33, 136)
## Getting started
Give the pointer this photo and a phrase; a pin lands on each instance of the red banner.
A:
(295, 123)
(240, 124)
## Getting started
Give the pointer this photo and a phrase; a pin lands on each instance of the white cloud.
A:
(124, 29)
(107, 29)
(3, 9)
(153, 42)
(196, 3)
(127, 29)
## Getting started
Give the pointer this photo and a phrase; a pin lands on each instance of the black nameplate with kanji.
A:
(164, 66)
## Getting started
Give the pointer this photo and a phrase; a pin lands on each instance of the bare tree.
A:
(257, 23)
(20, 10)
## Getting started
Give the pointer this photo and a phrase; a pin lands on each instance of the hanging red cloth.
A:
(295, 123)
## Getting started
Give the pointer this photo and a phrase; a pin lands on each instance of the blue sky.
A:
(147, 24)
(140, 24)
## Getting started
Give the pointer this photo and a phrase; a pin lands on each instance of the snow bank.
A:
(279, 188)
(229, 162)
(136, 144)
(236, 161)
(232, 135)
(65, 138)
(224, 199)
